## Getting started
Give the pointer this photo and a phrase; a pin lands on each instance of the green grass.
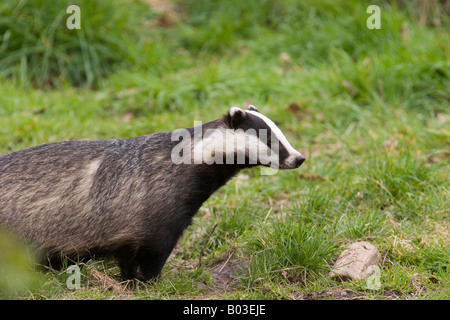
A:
(37, 48)
(369, 109)
(291, 250)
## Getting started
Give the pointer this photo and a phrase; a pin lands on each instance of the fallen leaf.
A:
(359, 196)
(404, 31)
(127, 117)
(311, 176)
(285, 58)
(207, 213)
(320, 116)
(390, 144)
(350, 88)
(293, 107)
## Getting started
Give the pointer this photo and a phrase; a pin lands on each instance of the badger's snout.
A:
(299, 160)
(292, 162)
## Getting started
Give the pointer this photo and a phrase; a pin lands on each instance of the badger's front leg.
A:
(151, 261)
(126, 257)
(152, 256)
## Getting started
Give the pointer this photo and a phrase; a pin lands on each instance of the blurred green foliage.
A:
(17, 276)
(38, 48)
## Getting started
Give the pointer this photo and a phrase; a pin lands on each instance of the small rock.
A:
(354, 262)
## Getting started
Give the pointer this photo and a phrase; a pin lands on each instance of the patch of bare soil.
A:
(226, 271)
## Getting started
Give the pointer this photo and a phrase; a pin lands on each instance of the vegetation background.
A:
(369, 109)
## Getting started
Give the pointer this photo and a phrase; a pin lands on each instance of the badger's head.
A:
(257, 140)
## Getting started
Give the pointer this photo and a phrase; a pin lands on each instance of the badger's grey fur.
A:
(121, 198)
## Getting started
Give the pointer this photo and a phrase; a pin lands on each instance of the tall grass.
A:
(289, 250)
(37, 47)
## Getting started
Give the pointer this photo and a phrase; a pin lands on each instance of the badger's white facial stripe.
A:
(277, 132)
(218, 143)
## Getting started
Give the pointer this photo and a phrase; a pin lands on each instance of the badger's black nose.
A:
(299, 160)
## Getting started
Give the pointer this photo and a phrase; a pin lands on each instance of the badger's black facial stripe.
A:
(253, 122)
(262, 128)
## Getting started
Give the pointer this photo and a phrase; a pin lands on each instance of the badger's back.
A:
(78, 196)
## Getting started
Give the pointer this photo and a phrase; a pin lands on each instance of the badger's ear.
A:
(252, 108)
(235, 116)
(236, 112)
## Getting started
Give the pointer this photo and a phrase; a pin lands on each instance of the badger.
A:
(130, 199)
